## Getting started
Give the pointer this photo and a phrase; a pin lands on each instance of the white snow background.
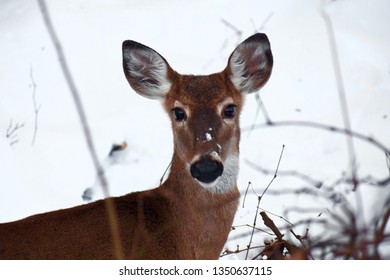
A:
(196, 37)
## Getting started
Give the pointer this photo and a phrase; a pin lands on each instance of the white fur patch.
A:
(238, 66)
(150, 70)
(228, 180)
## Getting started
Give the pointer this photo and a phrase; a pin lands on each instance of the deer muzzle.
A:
(206, 169)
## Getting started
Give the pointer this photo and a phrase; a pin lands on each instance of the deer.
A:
(190, 214)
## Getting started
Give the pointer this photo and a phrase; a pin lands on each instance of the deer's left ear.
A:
(250, 64)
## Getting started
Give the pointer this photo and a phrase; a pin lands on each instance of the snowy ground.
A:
(196, 37)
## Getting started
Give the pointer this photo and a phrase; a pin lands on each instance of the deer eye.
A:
(179, 114)
(229, 111)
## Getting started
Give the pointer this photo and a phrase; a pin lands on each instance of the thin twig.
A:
(110, 207)
(246, 193)
(318, 184)
(276, 172)
(259, 200)
(278, 216)
(300, 239)
(165, 172)
(263, 24)
(254, 226)
(235, 29)
(11, 132)
(341, 92)
(238, 250)
(250, 226)
(330, 128)
(36, 107)
(380, 233)
(260, 106)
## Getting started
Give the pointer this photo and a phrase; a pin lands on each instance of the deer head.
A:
(204, 110)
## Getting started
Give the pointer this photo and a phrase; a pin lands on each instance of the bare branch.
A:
(329, 128)
(36, 107)
(263, 24)
(165, 172)
(341, 92)
(11, 132)
(112, 216)
(260, 106)
(259, 200)
(297, 174)
(237, 31)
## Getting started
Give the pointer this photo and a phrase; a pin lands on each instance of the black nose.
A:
(206, 170)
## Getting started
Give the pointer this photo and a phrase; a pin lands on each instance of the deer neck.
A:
(209, 215)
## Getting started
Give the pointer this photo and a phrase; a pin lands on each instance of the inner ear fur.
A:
(250, 65)
(146, 70)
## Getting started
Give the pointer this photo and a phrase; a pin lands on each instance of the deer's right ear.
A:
(250, 64)
(145, 70)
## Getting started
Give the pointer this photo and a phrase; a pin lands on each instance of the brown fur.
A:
(170, 222)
